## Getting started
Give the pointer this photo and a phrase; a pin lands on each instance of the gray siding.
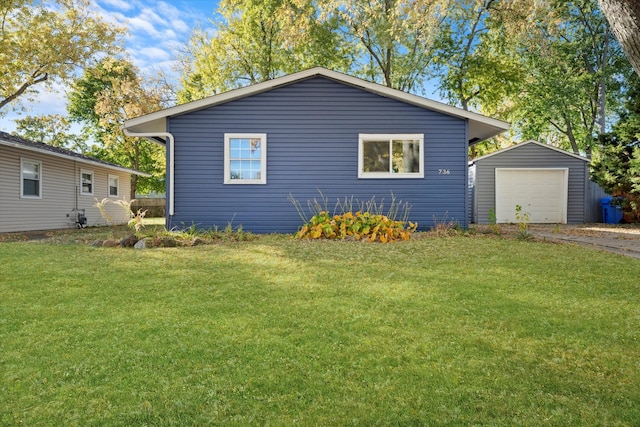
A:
(59, 184)
(312, 132)
(530, 156)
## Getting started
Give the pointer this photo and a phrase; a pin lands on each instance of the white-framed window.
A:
(30, 179)
(245, 158)
(86, 182)
(114, 185)
(390, 155)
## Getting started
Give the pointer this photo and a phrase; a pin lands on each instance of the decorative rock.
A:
(110, 243)
(129, 241)
(141, 244)
(97, 243)
(197, 241)
(166, 242)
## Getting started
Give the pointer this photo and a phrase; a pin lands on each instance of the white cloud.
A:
(118, 4)
(155, 54)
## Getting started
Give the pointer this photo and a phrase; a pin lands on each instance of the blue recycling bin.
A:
(610, 214)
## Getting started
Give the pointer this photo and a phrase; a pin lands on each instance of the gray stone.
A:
(129, 241)
(141, 244)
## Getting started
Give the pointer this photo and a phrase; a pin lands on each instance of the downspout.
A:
(169, 139)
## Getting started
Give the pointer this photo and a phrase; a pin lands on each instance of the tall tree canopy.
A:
(258, 40)
(616, 160)
(51, 129)
(41, 42)
(102, 99)
(573, 72)
(394, 40)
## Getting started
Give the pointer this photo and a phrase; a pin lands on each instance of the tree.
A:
(574, 75)
(624, 19)
(616, 162)
(52, 129)
(393, 39)
(257, 40)
(41, 42)
(102, 99)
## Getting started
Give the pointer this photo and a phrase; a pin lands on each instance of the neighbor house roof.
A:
(480, 127)
(522, 144)
(39, 147)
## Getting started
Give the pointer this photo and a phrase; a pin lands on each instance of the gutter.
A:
(169, 140)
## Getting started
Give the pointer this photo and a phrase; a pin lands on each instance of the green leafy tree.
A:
(41, 42)
(393, 40)
(573, 72)
(51, 129)
(258, 40)
(616, 161)
(102, 99)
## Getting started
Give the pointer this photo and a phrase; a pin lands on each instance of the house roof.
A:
(522, 144)
(39, 147)
(480, 127)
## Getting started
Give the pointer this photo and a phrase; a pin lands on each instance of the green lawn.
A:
(436, 331)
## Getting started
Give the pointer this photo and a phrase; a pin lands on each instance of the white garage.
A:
(551, 185)
(541, 193)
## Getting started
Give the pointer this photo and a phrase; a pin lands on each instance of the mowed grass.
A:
(436, 331)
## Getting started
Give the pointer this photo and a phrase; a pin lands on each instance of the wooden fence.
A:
(155, 207)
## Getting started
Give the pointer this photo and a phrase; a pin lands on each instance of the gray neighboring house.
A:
(44, 187)
(235, 158)
(551, 185)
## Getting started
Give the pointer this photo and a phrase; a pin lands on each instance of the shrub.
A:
(359, 226)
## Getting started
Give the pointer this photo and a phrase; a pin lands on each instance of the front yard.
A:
(465, 330)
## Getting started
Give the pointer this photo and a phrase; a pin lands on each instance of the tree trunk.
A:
(624, 19)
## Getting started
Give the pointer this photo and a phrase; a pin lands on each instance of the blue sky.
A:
(157, 32)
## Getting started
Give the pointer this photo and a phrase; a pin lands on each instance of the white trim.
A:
(480, 127)
(33, 162)
(565, 187)
(263, 158)
(109, 177)
(550, 147)
(93, 182)
(363, 137)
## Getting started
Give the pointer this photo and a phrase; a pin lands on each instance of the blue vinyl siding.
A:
(312, 129)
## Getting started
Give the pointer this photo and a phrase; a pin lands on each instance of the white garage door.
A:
(542, 193)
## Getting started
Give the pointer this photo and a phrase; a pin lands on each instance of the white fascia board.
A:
(531, 141)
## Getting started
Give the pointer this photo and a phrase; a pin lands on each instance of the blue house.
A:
(236, 157)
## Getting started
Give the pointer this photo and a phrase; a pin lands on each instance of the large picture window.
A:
(245, 159)
(86, 182)
(391, 156)
(30, 179)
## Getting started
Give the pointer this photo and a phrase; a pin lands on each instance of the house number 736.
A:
(444, 172)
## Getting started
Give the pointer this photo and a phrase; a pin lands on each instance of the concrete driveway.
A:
(619, 239)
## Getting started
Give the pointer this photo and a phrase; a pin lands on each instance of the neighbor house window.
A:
(86, 182)
(245, 158)
(391, 156)
(30, 179)
(114, 184)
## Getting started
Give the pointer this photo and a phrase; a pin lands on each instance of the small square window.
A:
(114, 185)
(30, 179)
(391, 156)
(245, 159)
(86, 182)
